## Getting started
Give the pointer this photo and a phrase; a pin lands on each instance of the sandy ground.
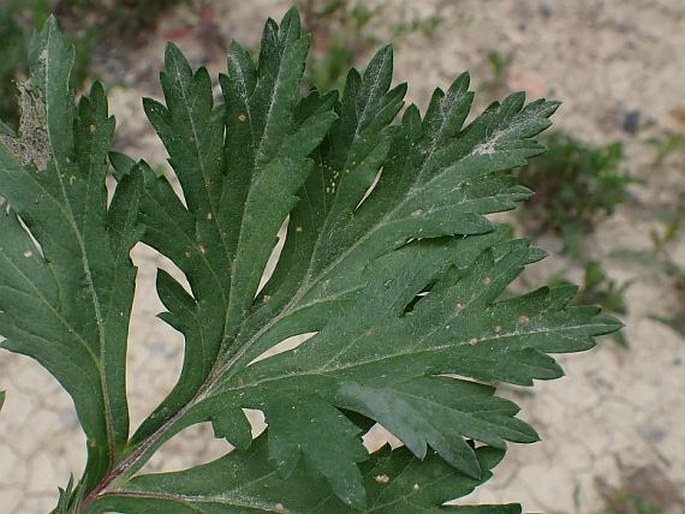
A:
(615, 423)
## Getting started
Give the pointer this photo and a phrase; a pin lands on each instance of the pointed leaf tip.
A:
(51, 23)
(2, 399)
(553, 105)
(516, 100)
(609, 324)
(291, 26)
(381, 65)
(41, 39)
(172, 51)
(386, 50)
(292, 14)
(460, 84)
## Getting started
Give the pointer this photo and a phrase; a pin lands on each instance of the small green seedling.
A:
(630, 503)
(389, 260)
(665, 146)
(659, 258)
(496, 85)
(575, 185)
(344, 31)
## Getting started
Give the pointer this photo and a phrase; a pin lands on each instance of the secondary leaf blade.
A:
(244, 482)
(223, 237)
(385, 362)
(66, 275)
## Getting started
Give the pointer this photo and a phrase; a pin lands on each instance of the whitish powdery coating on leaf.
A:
(32, 145)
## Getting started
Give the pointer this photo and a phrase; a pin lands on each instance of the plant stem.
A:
(135, 456)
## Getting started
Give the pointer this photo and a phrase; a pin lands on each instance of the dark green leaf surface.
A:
(66, 290)
(245, 482)
(370, 261)
(237, 193)
(389, 263)
(388, 364)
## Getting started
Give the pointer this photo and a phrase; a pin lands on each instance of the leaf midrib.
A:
(223, 499)
(109, 423)
(328, 373)
(255, 167)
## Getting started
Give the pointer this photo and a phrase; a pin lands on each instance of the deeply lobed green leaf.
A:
(65, 273)
(389, 263)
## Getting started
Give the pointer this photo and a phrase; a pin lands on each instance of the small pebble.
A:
(651, 433)
(546, 11)
(631, 121)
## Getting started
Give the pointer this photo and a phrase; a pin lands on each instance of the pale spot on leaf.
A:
(32, 146)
